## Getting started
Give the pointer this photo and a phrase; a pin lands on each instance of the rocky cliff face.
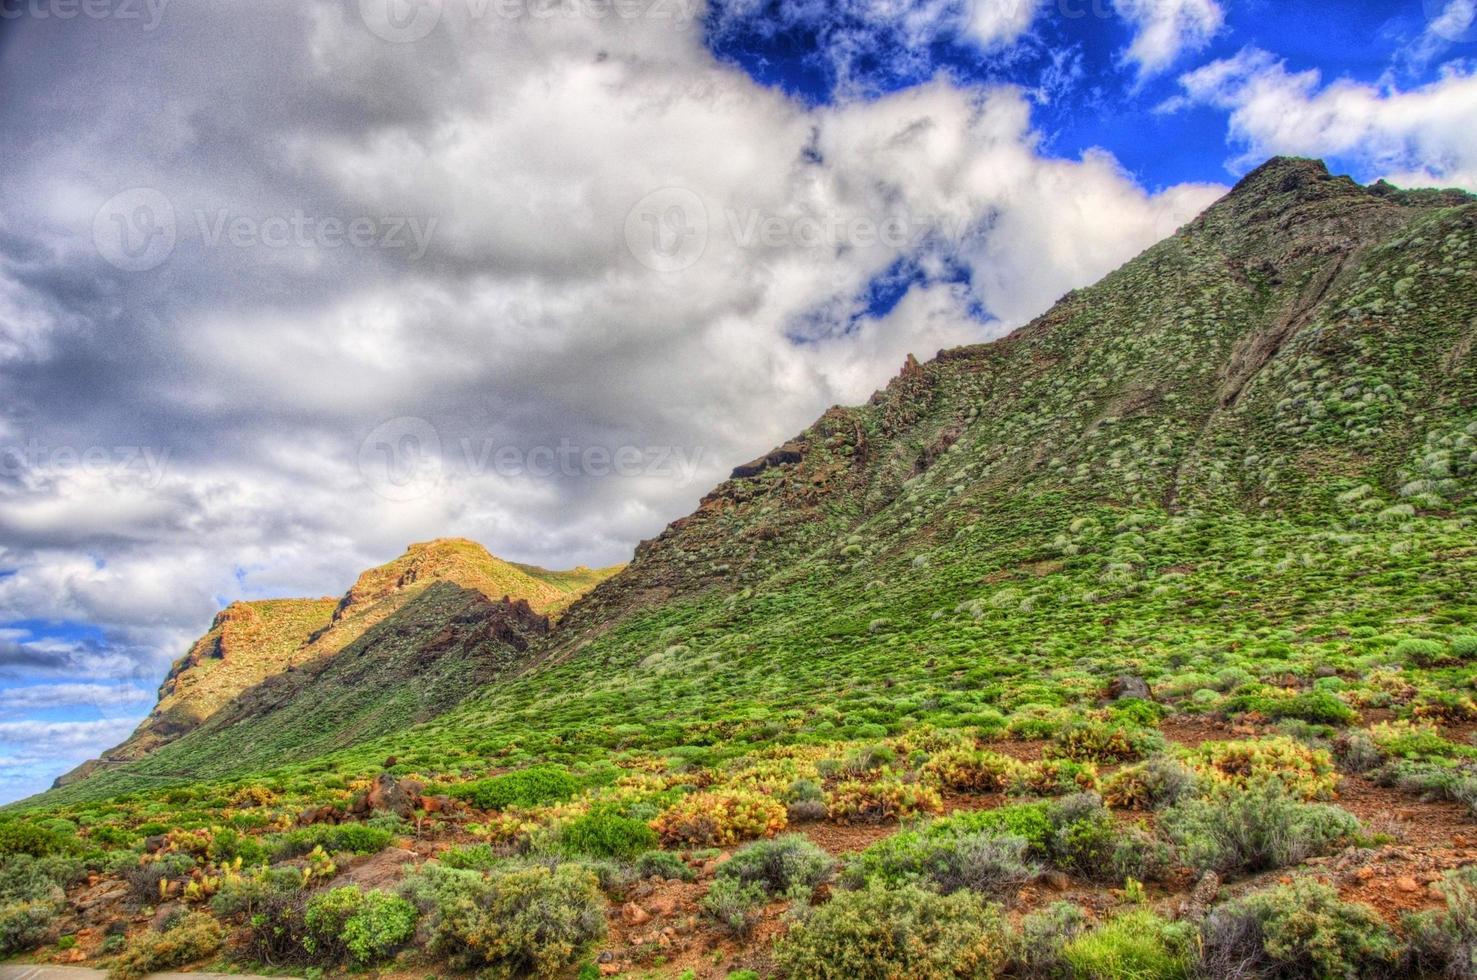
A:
(258, 653)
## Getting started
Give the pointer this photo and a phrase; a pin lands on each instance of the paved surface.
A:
(27, 972)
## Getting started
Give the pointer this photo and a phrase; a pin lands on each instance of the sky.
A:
(288, 285)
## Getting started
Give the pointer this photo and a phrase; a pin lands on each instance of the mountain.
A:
(258, 656)
(1291, 374)
(1216, 514)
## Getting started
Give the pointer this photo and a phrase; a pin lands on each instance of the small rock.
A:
(1407, 885)
(606, 956)
(1054, 880)
(664, 907)
(73, 955)
(609, 969)
(1128, 686)
(634, 914)
(1365, 873)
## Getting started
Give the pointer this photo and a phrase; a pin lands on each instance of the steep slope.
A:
(1252, 447)
(257, 656)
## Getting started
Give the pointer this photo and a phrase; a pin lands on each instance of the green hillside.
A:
(1200, 540)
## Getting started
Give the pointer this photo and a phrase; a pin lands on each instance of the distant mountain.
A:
(258, 655)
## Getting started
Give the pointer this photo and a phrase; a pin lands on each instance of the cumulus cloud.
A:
(633, 250)
(52, 696)
(1421, 136)
(1166, 29)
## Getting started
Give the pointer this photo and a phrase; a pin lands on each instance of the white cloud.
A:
(1166, 29)
(1420, 136)
(53, 696)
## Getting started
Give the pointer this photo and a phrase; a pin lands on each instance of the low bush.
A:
(664, 864)
(1303, 772)
(362, 927)
(1137, 945)
(356, 838)
(478, 857)
(26, 923)
(1293, 931)
(195, 937)
(1055, 777)
(1443, 942)
(535, 920)
(1254, 829)
(1086, 841)
(780, 866)
(734, 904)
(19, 837)
(1422, 653)
(535, 786)
(881, 801)
(1098, 741)
(24, 878)
(1153, 784)
(721, 818)
(1043, 938)
(981, 861)
(973, 770)
(605, 832)
(885, 933)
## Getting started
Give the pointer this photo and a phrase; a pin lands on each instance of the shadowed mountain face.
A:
(1258, 434)
(257, 655)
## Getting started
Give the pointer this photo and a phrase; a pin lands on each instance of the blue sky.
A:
(1072, 60)
(203, 419)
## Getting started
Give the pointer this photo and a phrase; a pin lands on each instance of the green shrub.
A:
(365, 927)
(604, 832)
(1254, 829)
(356, 838)
(1443, 942)
(535, 786)
(885, 933)
(1087, 841)
(511, 922)
(734, 904)
(478, 857)
(195, 937)
(20, 837)
(24, 878)
(1135, 946)
(1295, 931)
(1422, 653)
(983, 861)
(1464, 646)
(25, 924)
(664, 864)
(1043, 937)
(778, 866)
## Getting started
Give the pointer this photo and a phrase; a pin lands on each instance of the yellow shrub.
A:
(878, 802)
(1303, 772)
(720, 818)
(973, 770)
